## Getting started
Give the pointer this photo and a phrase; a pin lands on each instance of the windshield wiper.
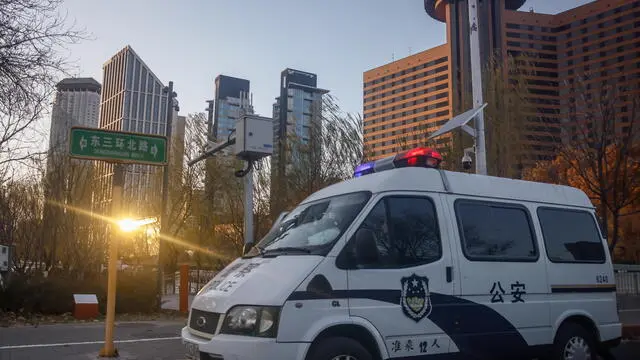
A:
(288, 248)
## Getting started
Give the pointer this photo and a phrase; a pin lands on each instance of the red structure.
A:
(85, 306)
(184, 288)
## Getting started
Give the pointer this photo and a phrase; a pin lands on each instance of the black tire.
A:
(330, 348)
(572, 333)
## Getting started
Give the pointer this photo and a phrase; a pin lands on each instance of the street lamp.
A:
(130, 225)
(127, 226)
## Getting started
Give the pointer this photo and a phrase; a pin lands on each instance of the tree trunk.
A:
(616, 230)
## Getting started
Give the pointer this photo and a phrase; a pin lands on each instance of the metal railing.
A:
(627, 279)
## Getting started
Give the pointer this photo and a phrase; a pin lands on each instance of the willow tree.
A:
(333, 150)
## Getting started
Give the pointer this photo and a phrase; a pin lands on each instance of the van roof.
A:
(433, 180)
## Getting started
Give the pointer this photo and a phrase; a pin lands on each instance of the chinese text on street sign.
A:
(117, 146)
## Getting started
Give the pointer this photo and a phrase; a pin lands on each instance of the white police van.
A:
(407, 261)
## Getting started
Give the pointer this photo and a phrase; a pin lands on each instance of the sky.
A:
(190, 42)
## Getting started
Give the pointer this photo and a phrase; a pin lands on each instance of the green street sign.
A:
(117, 146)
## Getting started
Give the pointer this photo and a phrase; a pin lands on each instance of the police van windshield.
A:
(314, 227)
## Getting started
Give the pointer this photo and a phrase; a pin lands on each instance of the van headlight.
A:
(259, 321)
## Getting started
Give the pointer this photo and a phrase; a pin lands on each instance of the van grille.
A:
(203, 321)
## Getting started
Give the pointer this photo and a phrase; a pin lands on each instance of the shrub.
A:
(136, 293)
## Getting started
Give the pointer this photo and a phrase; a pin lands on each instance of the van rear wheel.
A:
(340, 348)
(574, 342)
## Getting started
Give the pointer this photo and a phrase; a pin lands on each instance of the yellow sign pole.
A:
(109, 349)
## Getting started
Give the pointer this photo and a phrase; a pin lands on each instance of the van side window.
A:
(406, 232)
(495, 231)
(571, 236)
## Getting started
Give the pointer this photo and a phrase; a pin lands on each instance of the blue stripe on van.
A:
(476, 329)
(600, 288)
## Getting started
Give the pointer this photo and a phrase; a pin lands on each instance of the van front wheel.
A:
(574, 343)
(340, 348)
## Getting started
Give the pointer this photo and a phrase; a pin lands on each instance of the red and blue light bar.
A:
(418, 157)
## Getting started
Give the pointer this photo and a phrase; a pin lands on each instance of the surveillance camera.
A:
(466, 162)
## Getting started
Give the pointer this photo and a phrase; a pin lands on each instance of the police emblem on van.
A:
(414, 299)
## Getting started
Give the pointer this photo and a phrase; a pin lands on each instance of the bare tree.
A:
(33, 37)
(20, 221)
(334, 149)
(600, 153)
(67, 238)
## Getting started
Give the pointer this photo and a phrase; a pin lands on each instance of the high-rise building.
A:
(406, 99)
(133, 100)
(232, 94)
(297, 108)
(599, 38)
(299, 103)
(76, 103)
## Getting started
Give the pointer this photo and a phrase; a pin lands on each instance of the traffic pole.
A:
(109, 349)
(476, 86)
(248, 212)
(164, 217)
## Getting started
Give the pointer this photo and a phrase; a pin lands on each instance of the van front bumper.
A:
(233, 347)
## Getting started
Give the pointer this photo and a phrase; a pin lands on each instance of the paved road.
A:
(136, 340)
(139, 341)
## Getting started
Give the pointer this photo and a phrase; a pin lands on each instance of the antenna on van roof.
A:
(445, 181)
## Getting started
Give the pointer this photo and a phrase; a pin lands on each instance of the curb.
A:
(630, 331)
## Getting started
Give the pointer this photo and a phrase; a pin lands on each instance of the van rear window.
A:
(571, 236)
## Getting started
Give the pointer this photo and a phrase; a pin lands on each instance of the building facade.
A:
(133, 100)
(598, 40)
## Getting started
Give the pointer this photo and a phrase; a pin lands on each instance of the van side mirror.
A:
(366, 248)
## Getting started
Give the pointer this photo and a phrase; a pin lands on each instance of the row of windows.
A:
(405, 96)
(536, 46)
(592, 29)
(408, 113)
(441, 69)
(517, 35)
(406, 71)
(409, 104)
(407, 234)
(407, 141)
(577, 23)
(545, 56)
(607, 35)
(543, 101)
(594, 56)
(418, 128)
(409, 95)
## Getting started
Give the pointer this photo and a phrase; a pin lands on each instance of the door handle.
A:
(449, 274)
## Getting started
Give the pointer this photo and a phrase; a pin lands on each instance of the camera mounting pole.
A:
(460, 121)
(478, 104)
(253, 140)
